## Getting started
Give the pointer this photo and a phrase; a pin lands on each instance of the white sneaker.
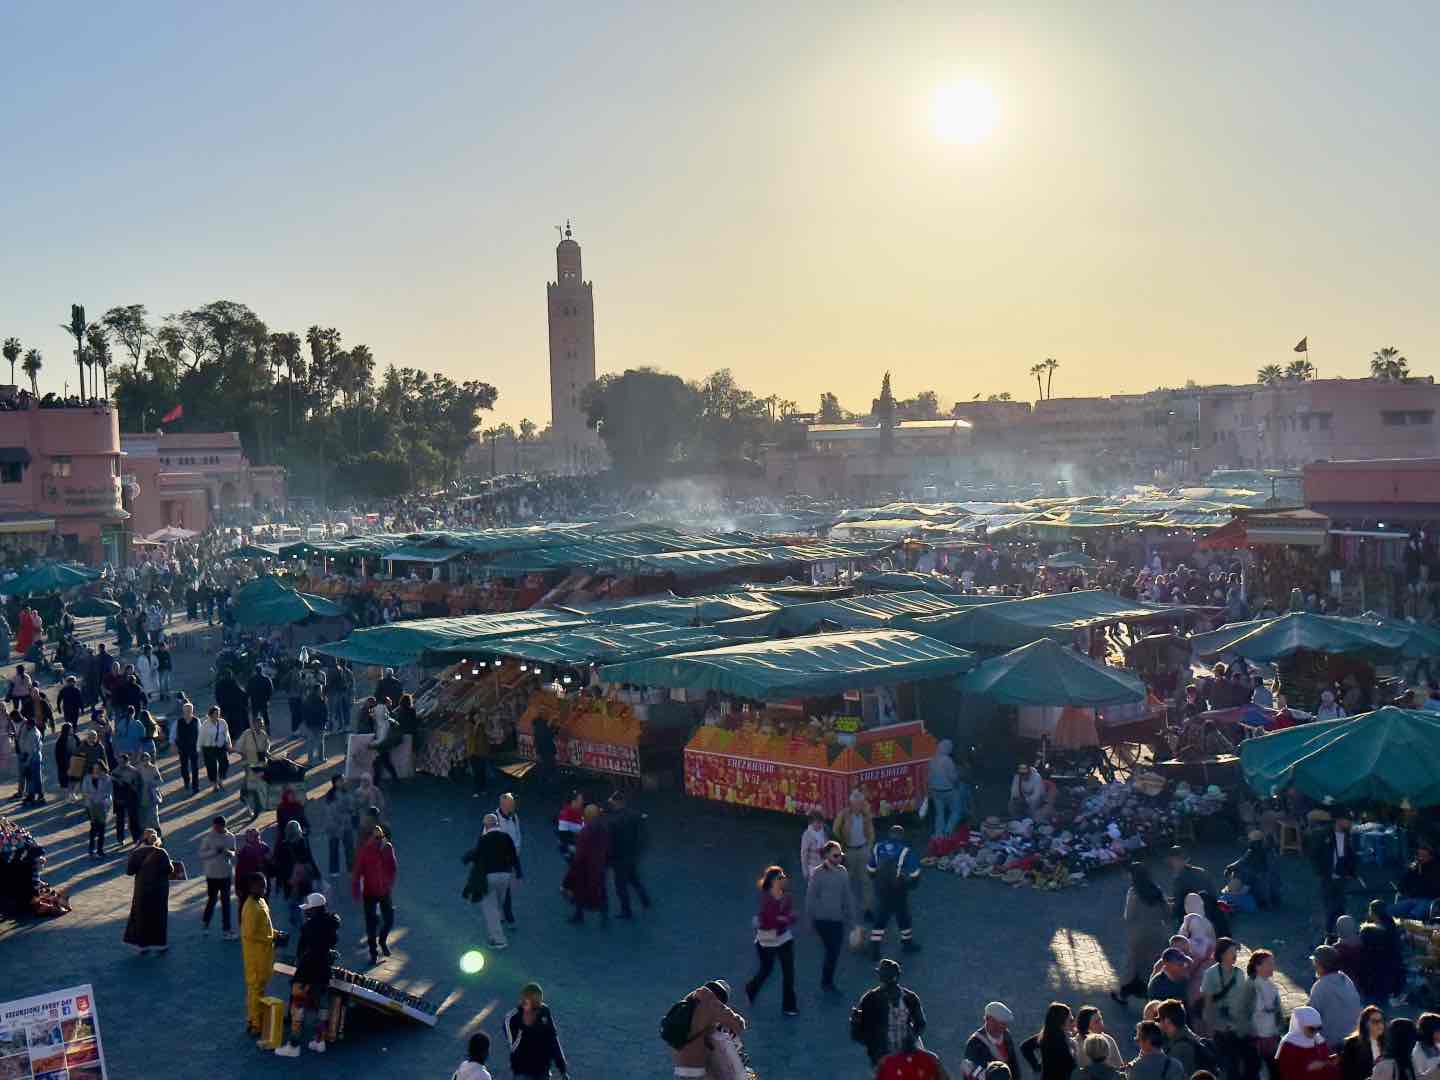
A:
(288, 1049)
(318, 1045)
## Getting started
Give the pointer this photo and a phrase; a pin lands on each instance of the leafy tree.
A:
(1050, 365)
(1387, 363)
(130, 326)
(999, 397)
(830, 410)
(1299, 370)
(1037, 370)
(31, 365)
(12, 351)
(644, 417)
(1270, 375)
(923, 406)
(527, 430)
(97, 352)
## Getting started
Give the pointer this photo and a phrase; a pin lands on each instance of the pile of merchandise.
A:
(455, 705)
(20, 861)
(1094, 826)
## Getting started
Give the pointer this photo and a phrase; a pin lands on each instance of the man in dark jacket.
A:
(1188, 879)
(1332, 854)
(234, 705)
(309, 987)
(627, 841)
(389, 688)
(992, 1042)
(1419, 887)
(260, 689)
(534, 1042)
(870, 1019)
(187, 745)
(71, 700)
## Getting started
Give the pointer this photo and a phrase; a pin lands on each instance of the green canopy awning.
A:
(852, 613)
(401, 643)
(1047, 673)
(605, 644)
(265, 601)
(1387, 756)
(817, 666)
(906, 581)
(719, 560)
(1012, 623)
(49, 578)
(93, 605)
(687, 610)
(1302, 631)
(253, 551)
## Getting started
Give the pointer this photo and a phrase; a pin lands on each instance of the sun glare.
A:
(963, 112)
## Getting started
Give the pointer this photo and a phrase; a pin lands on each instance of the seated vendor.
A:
(1420, 886)
(1030, 795)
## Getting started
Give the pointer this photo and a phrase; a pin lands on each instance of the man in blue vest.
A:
(894, 869)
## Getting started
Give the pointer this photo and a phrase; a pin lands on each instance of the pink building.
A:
(195, 479)
(60, 477)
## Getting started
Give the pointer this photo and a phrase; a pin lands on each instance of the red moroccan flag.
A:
(174, 414)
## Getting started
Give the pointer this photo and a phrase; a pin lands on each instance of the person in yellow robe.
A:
(257, 948)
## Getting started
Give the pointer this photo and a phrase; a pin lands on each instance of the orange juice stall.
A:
(794, 725)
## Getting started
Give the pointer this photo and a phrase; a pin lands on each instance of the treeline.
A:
(308, 402)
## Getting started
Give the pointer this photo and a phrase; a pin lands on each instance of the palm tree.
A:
(1050, 365)
(1299, 370)
(1270, 374)
(97, 352)
(12, 352)
(31, 365)
(1037, 370)
(1387, 363)
(76, 329)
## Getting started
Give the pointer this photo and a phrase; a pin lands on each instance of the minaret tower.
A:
(572, 357)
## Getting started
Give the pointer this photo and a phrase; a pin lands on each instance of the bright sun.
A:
(963, 112)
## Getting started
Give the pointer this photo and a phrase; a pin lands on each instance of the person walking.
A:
(991, 1043)
(534, 1040)
(830, 907)
(213, 740)
(477, 1053)
(775, 940)
(71, 700)
(371, 882)
(259, 690)
(185, 734)
(1333, 994)
(1153, 1063)
(339, 696)
(894, 870)
(812, 844)
(66, 750)
(1224, 989)
(312, 718)
(149, 864)
(31, 749)
(329, 819)
(704, 1034)
(585, 879)
(1147, 930)
(257, 948)
(855, 828)
(1335, 862)
(1304, 1053)
(295, 869)
(217, 863)
(95, 791)
(148, 794)
(627, 842)
(509, 819)
(164, 667)
(889, 1018)
(943, 788)
(492, 864)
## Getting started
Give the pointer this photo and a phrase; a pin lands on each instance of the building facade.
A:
(60, 480)
(570, 304)
(195, 480)
(849, 459)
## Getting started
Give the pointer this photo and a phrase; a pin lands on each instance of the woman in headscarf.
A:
(1200, 936)
(1303, 1054)
(150, 866)
(585, 880)
(1146, 930)
(295, 869)
(149, 792)
(252, 858)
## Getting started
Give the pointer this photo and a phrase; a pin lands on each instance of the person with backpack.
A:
(895, 870)
(872, 1023)
(1153, 1063)
(1192, 1051)
(702, 1030)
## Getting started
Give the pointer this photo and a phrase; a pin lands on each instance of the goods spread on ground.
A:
(462, 705)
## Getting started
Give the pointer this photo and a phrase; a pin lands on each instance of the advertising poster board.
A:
(54, 1036)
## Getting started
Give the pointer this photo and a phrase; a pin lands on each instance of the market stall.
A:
(797, 724)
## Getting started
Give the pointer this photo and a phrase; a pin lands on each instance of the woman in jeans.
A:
(830, 908)
(774, 940)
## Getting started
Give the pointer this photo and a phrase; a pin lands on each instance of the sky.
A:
(1169, 192)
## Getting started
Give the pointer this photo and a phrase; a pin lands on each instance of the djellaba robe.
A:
(585, 879)
(149, 920)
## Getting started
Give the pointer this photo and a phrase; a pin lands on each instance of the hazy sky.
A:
(1169, 192)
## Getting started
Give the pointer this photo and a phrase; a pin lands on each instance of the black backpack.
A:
(675, 1025)
(1206, 1057)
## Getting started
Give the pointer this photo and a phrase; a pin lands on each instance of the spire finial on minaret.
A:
(567, 228)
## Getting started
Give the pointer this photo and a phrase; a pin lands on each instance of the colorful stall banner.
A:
(54, 1036)
(797, 789)
(615, 758)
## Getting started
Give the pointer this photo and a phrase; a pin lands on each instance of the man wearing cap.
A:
(894, 869)
(1173, 978)
(888, 1018)
(1332, 854)
(310, 985)
(1333, 995)
(992, 1042)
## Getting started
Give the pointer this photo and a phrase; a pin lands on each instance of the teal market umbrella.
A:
(94, 605)
(50, 578)
(1047, 673)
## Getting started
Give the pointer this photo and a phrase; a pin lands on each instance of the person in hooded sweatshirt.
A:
(310, 986)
